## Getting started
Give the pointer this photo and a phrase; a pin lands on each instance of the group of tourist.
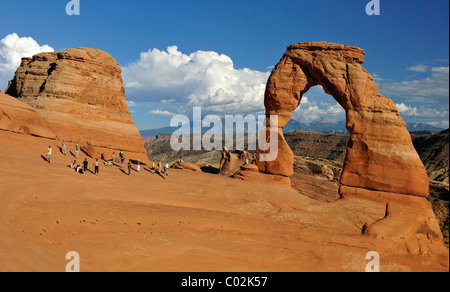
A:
(166, 169)
(83, 168)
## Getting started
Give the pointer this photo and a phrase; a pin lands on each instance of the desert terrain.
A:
(282, 215)
(190, 222)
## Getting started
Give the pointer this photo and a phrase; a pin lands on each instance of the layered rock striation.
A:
(81, 95)
(19, 117)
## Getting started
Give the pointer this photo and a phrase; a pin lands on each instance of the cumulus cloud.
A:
(421, 112)
(419, 68)
(433, 89)
(442, 124)
(131, 103)
(12, 49)
(203, 78)
(159, 112)
(309, 110)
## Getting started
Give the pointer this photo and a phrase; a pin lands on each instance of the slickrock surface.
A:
(19, 117)
(190, 222)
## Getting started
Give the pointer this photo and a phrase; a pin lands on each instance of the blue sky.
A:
(218, 54)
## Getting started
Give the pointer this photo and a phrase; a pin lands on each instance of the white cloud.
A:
(161, 113)
(377, 78)
(131, 103)
(441, 124)
(421, 112)
(166, 101)
(12, 49)
(440, 70)
(310, 111)
(205, 79)
(419, 68)
(433, 89)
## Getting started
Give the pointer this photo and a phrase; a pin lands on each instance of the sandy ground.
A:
(189, 222)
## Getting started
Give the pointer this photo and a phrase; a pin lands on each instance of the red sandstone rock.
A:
(80, 93)
(250, 167)
(381, 163)
(380, 153)
(19, 117)
(263, 178)
(283, 164)
(233, 160)
(187, 166)
(90, 151)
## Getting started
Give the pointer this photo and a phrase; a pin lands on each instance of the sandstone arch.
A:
(381, 164)
(380, 158)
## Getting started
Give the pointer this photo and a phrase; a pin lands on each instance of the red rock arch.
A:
(380, 158)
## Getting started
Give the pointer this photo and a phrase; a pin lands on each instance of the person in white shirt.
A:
(166, 169)
(49, 154)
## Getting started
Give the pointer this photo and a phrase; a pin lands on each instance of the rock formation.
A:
(19, 117)
(80, 93)
(380, 155)
(186, 166)
(233, 160)
(381, 163)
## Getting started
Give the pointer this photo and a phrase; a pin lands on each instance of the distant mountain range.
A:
(322, 125)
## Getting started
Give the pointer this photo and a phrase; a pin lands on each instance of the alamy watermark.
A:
(73, 266)
(373, 8)
(235, 130)
(374, 262)
(73, 8)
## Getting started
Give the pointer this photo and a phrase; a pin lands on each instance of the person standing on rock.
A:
(159, 164)
(139, 165)
(49, 154)
(114, 158)
(129, 167)
(64, 147)
(85, 165)
(122, 158)
(180, 160)
(166, 170)
(77, 150)
(96, 166)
